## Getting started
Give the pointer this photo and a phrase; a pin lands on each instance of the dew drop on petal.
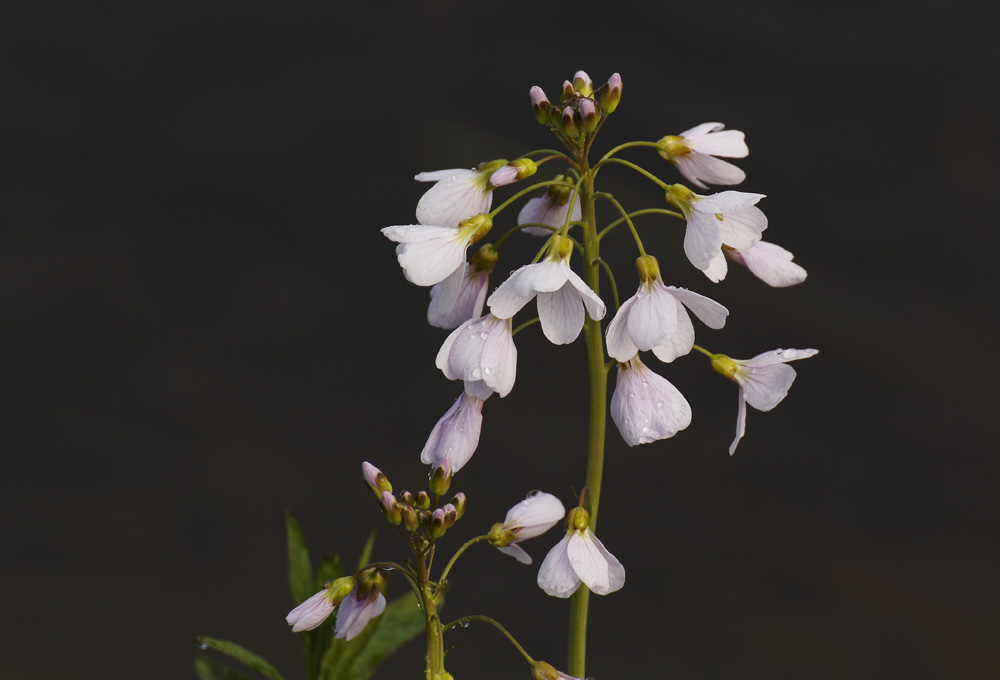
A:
(483, 335)
(487, 371)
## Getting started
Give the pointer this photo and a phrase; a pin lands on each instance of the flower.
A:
(655, 317)
(646, 406)
(456, 435)
(769, 262)
(356, 611)
(461, 295)
(763, 380)
(694, 151)
(481, 352)
(550, 209)
(429, 253)
(533, 516)
(375, 479)
(562, 294)
(457, 194)
(580, 557)
(317, 608)
(728, 218)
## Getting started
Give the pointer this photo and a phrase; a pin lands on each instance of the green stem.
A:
(495, 624)
(636, 213)
(435, 633)
(627, 145)
(468, 544)
(642, 171)
(576, 665)
(522, 192)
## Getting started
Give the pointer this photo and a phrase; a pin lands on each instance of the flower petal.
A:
(710, 312)
(772, 264)
(702, 239)
(588, 561)
(620, 345)
(700, 167)
(561, 314)
(458, 195)
(741, 423)
(533, 516)
(653, 318)
(517, 552)
(727, 143)
(556, 576)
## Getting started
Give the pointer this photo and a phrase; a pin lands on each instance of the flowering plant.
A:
(564, 281)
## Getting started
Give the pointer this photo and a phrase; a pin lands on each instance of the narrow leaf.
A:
(243, 655)
(299, 569)
(207, 668)
(366, 553)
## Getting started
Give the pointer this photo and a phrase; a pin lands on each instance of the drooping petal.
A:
(680, 342)
(480, 350)
(700, 168)
(556, 576)
(645, 406)
(616, 572)
(533, 516)
(717, 268)
(427, 253)
(588, 562)
(741, 423)
(455, 437)
(726, 143)
(742, 228)
(561, 314)
(591, 301)
(708, 311)
(620, 345)
(702, 239)
(771, 263)
(653, 317)
(517, 552)
(354, 614)
(726, 201)
(546, 210)
(311, 613)
(765, 385)
(458, 194)
(699, 131)
(458, 298)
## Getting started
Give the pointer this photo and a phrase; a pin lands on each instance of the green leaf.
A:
(329, 569)
(401, 621)
(207, 668)
(299, 569)
(366, 553)
(243, 655)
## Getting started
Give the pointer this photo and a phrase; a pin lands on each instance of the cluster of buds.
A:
(419, 514)
(580, 110)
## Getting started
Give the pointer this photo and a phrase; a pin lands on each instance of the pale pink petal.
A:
(765, 385)
(702, 239)
(771, 263)
(653, 317)
(588, 562)
(561, 314)
(542, 277)
(428, 254)
(620, 345)
(742, 228)
(443, 297)
(645, 406)
(517, 552)
(699, 131)
(455, 436)
(710, 312)
(458, 298)
(556, 576)
(717, 268)
(499, 360)
(311, 613)
(699, 168)
(741, 423)
(725, 201)
(728, 143)
(354, 614)
(681, 340)
(616, 572)
(546, 210)
(533, 516)
(458, 195)
(591, 300)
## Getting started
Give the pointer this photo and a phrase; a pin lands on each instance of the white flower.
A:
(562, 295)
(317, 608)
(580, 557)
(769, 262)
(549, 209)
(460, 297)
(763, 380)
(694, 151)
(655, 317)
(356, 611)
(533, 516)
(456, 435)
(728, 218)
(481, 352)
(645, 406)
(429, 253)
(457, 194)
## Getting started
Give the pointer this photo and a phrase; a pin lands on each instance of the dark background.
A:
(204, 327)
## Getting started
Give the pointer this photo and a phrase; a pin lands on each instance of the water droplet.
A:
(779, 352)
(659, 404)
(483, 335)
(532, 493)
(420, 606)
(464, 624)
(202, 645)
(487, 371)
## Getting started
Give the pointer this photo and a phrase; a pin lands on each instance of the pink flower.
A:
(549, 209)
(456, 435)
(481, 353)
(769, 262)
(317, 608)
(763, 380)
(457, 194)
(645, 406)
(533, 516)
(428, 254)
(727, 218)
(356, 611)
(460, 297)
(694, 151)
(580, 558)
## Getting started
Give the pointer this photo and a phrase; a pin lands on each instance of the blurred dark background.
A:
(203, 327)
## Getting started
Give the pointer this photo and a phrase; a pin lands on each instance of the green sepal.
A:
(401, 621)
(207, 668)
(299, 568)
(243, 655)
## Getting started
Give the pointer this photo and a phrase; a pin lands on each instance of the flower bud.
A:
(567, 90)
(561, 248)
(459, 502)
(579, 519)
(369, 580)
(525, 167)
(500, 537)
(450, 515)
(566, 122)
(611, 94)
(485, 258)
(391, 508)
(441, 478)
(423, 500)
(588, 111)
(539, 104)
(406, 497)
(680, 197)
(544, 671)
(583, 84)
(376, 481)
(437, 527)
(410, 519)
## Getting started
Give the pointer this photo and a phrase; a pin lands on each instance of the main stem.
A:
(435, 635)
(576, 664)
